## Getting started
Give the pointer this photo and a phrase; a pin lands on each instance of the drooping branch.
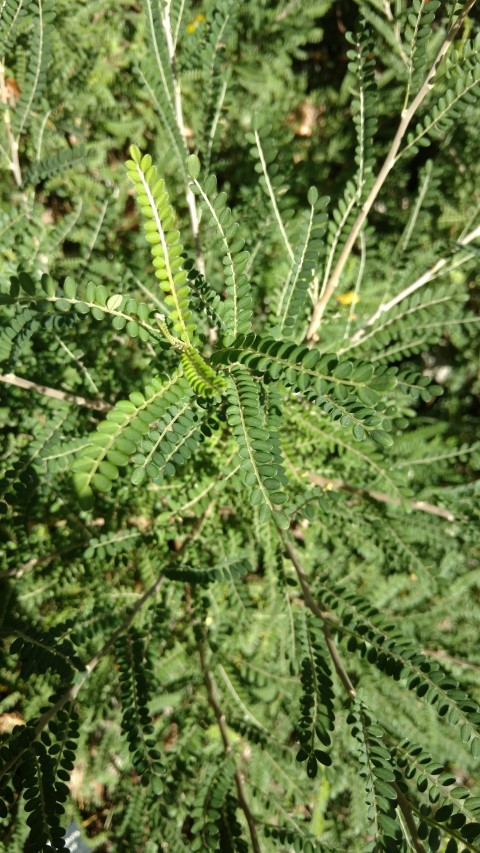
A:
(310, 602)
(71, 694)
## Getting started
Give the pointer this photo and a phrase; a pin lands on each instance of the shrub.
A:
(239, 498)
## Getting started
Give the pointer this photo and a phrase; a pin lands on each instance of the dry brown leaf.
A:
(9, 720)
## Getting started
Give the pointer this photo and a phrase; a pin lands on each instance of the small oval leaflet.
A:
(114, 301)
(193, 166)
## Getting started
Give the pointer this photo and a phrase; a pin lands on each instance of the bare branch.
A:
(421, 506)
(19, 382)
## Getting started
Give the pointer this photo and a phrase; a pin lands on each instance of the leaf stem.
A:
(272, 197)
(404, 807)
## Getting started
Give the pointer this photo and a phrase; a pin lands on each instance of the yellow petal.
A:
(349, 298)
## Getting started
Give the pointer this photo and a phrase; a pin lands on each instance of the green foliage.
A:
(259, 458)
(377, 774)
(166, 248)
(121, 433)
(295, 291)
(130, 654)
(34, 80)
(317, 705)
(236, 310)
(346, 391)
(239, 502)
(54, 164)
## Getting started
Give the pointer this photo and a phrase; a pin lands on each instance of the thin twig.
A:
(223, 728)
(287, 10)
(396, 30)
(246, 711)
(19, 382)
(316, 610)
(416, 285)
(388, 164)
(78, 361)
(404, 806)
(272, 197)
(19, 571)
(98, 228)
(383, 497)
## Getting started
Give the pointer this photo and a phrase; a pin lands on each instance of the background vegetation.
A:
(240, 579)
